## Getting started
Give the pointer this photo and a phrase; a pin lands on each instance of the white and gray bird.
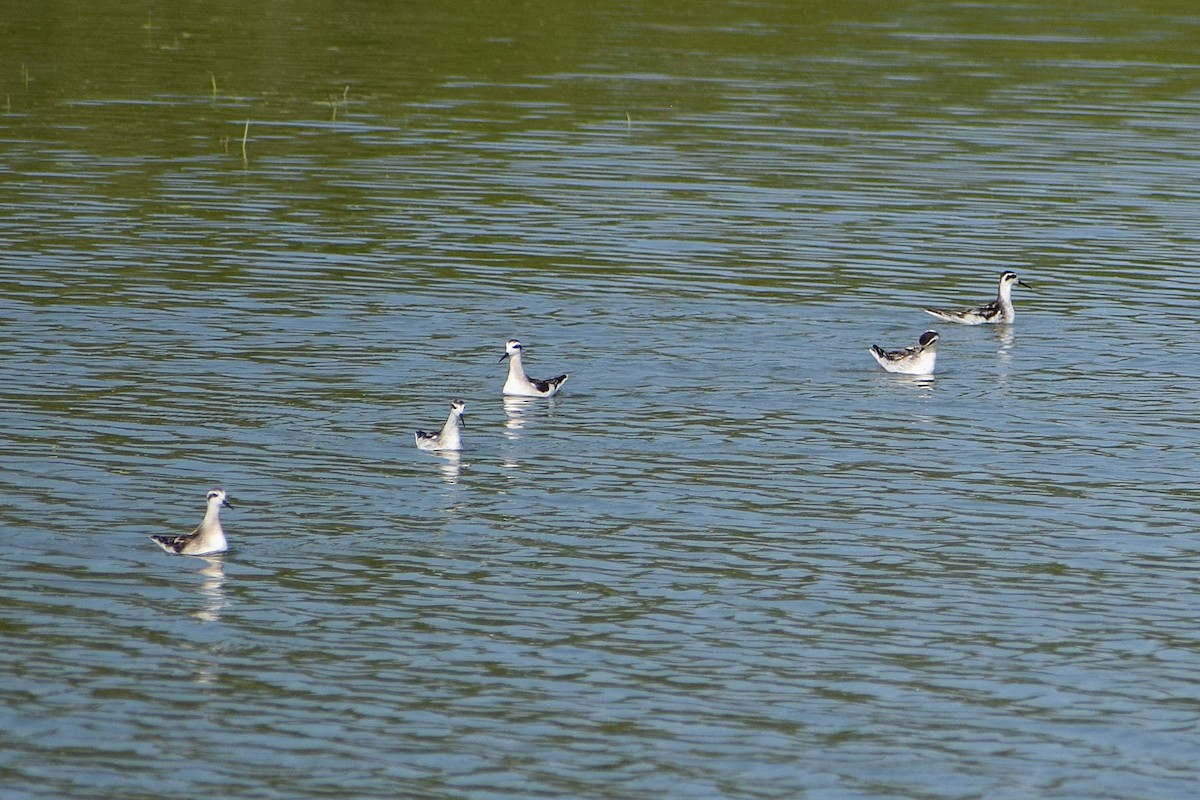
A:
(449, 437)
(917, 360)
(207, 539)
(521, 385)
(998, 310)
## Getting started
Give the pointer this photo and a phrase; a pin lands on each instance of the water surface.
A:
(733, 558)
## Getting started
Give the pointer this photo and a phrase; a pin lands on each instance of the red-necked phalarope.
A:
(522, 385)
(448, 438)
(918, 360)
(208, 539)
(999, 310)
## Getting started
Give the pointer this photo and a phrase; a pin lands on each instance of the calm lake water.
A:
(256, 247)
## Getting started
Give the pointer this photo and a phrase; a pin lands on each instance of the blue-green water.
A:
(734, 558)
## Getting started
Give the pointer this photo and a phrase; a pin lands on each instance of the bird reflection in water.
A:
(515, 409)
(451, 465)
(1004, 335)
(212, 590)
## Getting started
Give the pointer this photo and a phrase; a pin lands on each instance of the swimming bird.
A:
(522, 385)
(448, 438)
(999, 310)
(207, 539)
(918, 360)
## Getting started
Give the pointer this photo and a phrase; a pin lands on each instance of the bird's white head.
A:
(1008, 278)
(511, 348)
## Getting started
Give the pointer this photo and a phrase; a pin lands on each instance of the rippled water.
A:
(733, 558)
